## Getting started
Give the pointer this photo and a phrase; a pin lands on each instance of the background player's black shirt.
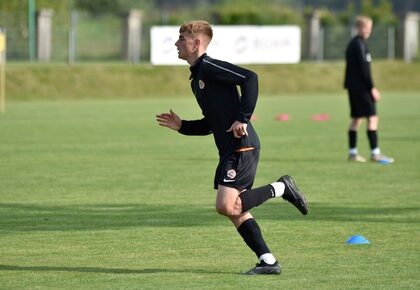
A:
(215, 86)
(358, 75)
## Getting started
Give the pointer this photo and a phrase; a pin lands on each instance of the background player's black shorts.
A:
(237, 170)
(361, 104)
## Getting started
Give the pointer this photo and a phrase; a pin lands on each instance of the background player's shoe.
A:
(293, 195)
(381, 158)
(356, 158)
(263, 268)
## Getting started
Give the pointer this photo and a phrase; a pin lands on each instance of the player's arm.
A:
(195, 127)
(249, 91)
(169, 120)
(375, 94)
(238, 129)
(247, 80)
(366, 73)
(174, 122)
(364, 63)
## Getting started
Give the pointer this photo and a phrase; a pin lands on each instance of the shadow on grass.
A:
(329, 212)
(28, 217)
(106, 270)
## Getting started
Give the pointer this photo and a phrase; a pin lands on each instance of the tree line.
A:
(216, 11)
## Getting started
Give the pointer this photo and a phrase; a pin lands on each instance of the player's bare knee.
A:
(238, 206)
(222, 210)
(226, 210)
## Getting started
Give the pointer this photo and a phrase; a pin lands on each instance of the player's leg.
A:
(358, 100)
(372, 133)
(229, 204)
(352, 139)
(238, 171)
(355, 123)
(284, 187)
(249, 230)
(232, 202)
(372, 128)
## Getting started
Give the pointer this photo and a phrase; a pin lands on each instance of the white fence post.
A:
(44, 34)
(132, 36)
(313, 34)
(409, 36)
(391, 42)
(72, 37)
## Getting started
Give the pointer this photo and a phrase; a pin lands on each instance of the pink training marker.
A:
(282, 117)
(320, 117)
(253, 117)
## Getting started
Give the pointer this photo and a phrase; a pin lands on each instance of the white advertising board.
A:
(236, 44)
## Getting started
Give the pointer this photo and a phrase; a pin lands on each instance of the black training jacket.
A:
(358, 75)
(215, 85)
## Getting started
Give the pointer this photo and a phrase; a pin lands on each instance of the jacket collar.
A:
(196, 65)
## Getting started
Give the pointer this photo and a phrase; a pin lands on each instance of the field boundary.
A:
(118, 80)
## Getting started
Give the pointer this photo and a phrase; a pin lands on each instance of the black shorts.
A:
(361, 104)
(237, 170)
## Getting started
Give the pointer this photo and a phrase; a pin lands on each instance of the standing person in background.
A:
(363, 95)
(226, 115)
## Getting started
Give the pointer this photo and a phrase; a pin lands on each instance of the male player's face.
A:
(185, 45)
(365, 29)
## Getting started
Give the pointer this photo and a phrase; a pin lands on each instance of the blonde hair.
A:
(197, 27)
(363, 20)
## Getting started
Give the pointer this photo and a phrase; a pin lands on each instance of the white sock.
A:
(268, 258)
(278, 188)
(353, 151)
(376, 151)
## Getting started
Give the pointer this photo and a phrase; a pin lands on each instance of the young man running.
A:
(363, 95)
(226, 115)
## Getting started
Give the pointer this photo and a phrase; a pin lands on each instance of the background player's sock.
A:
(353, 151)
(373, 139)
(251, 233)
(376, 151)
(352, 139)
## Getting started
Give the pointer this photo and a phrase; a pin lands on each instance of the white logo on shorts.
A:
(231, 173)
(201, 84)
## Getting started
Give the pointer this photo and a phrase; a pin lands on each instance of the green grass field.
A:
(95, 195)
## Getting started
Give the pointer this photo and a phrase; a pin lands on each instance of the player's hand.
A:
(238, 129)
(170, 120)
(375, 94)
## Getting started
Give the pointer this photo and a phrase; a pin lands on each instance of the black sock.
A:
(251, 233)
(352, 139)
(373, 138)
(254, 197)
